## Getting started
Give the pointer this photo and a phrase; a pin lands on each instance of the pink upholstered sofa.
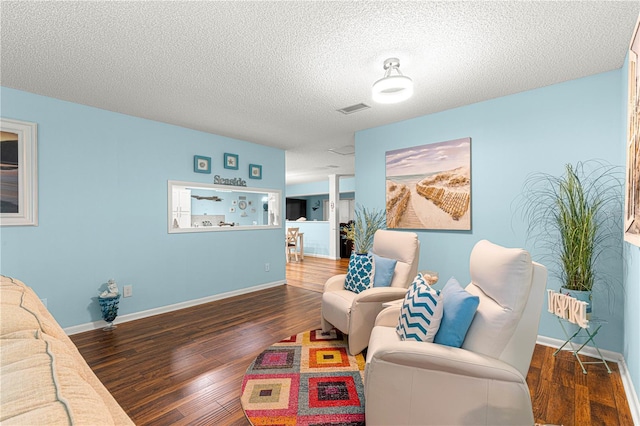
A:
(43, 377)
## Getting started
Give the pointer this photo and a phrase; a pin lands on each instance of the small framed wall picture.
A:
(201, 164)
(255, 171)
(231, 161)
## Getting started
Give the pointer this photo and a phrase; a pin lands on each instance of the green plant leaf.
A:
(575, 218)
(367, 222)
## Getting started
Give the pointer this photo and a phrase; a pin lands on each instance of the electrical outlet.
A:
(267, 267)
(128, 290)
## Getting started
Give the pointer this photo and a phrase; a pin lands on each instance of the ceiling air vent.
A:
(354, 108)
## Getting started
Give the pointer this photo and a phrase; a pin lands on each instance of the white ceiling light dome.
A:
(391, 89)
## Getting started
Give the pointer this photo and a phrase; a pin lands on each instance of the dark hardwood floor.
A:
(186, 367)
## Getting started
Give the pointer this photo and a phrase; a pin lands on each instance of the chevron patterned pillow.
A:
(421, 312)
(359, 273)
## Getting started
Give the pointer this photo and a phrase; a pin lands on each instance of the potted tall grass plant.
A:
(360, 271)
(366, 223)
(575, 218)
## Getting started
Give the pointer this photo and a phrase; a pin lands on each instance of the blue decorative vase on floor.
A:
(109, 308)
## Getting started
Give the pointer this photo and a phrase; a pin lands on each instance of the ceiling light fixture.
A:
(391, 89)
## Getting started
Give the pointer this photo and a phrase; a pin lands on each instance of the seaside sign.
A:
(568, 308)
(218, 180)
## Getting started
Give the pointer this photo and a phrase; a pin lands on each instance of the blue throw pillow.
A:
(359, 273)
(421, 312)
(383, 270)
(459, 310)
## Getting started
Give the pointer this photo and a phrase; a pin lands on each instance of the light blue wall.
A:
(103, 212)
(316, 237)
(347, 184)
(314, 191)
(317, 202)
(538, 130)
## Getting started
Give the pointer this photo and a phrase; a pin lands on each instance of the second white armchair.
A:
(483, 382)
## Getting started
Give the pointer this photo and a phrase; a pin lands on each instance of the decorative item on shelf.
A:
(108, 301)
(574, 311)
(574, 219)
(316, 205)
(230, 161)
(255, 171)
(201, 164)
(430, 277)
(568, 308)
(212, 198)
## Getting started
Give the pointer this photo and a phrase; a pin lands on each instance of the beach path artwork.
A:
(9, 169)
(429, 186)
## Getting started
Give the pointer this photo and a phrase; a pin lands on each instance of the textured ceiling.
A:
(275, 73)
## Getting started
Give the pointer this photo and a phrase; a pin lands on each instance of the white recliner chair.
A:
(481, 383)
(355, 314)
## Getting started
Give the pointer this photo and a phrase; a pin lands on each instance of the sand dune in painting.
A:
(439, 201)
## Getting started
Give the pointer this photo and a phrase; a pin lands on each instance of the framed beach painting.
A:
(18, 173)
(632, 193)
(429, 186)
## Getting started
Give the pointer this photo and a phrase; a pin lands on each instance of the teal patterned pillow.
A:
(421, 312)
(360, 273)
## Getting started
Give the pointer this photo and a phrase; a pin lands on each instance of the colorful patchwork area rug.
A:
(307, 379)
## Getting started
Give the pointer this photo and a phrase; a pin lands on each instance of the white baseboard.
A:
(587, 350)
(632, 396)
(627, 383)
(169, 308)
